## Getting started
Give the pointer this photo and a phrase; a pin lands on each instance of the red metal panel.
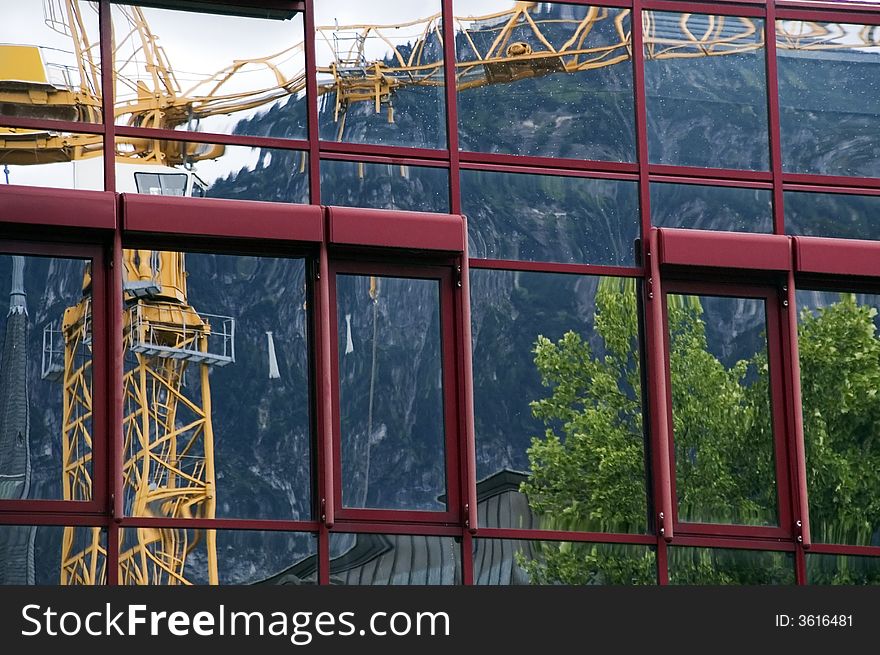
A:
(355, 226)
(552, 163)
(222, 218)
(767, 252)
(211, 137)
(57, 207)
(837, 256)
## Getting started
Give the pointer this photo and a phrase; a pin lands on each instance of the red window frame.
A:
(452, 433)
(774, 343)
(94, 253)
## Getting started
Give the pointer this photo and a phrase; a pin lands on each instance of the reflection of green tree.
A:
(588, 470)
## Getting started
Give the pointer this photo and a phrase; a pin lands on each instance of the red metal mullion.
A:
(774, 129)
(312, 110)
(467, 559)
(449, 363)
(563, 535)
(799, 469)
(211, 137)
(831, 183)
(779, 383)
(659, 397)
(747, 9)
(108, 67)
(466, 385)
(554, 267)
(50, 125)
(842, 549)
(450, 71)
(830, 12)
(263, 525)
(61, 517)
(734, 543)
(326, 376)
(359, 149)
(662, 563)
(397, 528)
(800, 566)
(379, 159)
(102, 429)
(549, 164)
(705, 181)
(728, 174)
(557, 172)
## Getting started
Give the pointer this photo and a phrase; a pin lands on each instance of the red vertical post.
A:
(467, 559)
(802, 510)
(773, 128)
(655, 361)
(108, 65)
(451, 107)
(312, 103)
(325, 388)
(467, 384)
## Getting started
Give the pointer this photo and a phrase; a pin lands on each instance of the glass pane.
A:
(177, 168)
(557, 402)
(715, 566)
(33, 555)
(391, 393)
(61, 160)
(216, 386)
(50, 61)
(843, 570)
(46, 379)
(544, 79)
(226, 557)
(827, 108)
(724, 456)
(711, 208)
(378, 559)
(706, 96)
(181, 70)
(832, 215)
(550, 218)
(380, 73)
(510, 562)
(840, 374)
(384, 186)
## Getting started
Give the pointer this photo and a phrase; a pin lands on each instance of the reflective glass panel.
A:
(51, 555)
(832, 215)
(390, 393)
(216, 386)
(842, 570)
(544, 79)
(378, 559)
(46, 424)
(183, 70)
(205, 170)
(380, 73)
(557, 402)
(828, 113)
(46, 158)
(840, 373)
(706, 92)
(50, 61)
(711, 208)
(511, 562)
(384, 186)
(716, 566)
(550, 218)
(724, 454)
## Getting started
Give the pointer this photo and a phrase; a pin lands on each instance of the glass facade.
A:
(458, 292)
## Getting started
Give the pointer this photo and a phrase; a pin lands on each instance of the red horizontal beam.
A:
(355, 226)
(228, 218)
(831, 12)
(553, 267)
(546, 163)
(220, 524)
(750, 8)
(562, 535)
(837, 256)
(732, 250)
(212, 138)
(57, 207)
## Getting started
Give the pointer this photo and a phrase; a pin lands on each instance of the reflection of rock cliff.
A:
(16, 542)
